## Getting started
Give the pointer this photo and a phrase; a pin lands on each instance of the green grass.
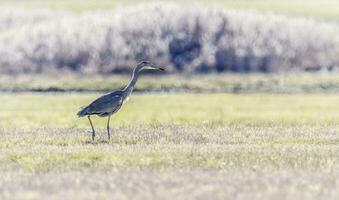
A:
(318, 8)
(59, 110)
(171, 146)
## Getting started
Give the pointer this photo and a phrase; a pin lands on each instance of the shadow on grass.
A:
(97, 142)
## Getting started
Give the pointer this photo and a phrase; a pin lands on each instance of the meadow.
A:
(168, 146)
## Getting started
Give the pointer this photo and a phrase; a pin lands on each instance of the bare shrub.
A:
(184, 39)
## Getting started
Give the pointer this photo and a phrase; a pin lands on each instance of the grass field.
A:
(317, 8)
(239, 146)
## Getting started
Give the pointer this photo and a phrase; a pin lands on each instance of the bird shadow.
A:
(93, 142)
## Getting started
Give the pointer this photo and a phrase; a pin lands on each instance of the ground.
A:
(165, 146)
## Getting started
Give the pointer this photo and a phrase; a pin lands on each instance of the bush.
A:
(184, 39)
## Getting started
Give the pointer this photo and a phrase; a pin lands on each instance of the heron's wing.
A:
(107, 103)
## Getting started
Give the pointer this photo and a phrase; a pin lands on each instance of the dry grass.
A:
(235, 147)
(165, 162)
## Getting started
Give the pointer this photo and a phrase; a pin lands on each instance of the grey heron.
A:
(110, 103)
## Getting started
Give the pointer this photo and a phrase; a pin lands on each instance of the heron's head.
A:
(148, 65)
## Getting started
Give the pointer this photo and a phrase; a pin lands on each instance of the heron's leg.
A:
(93, 131)
(108, 132)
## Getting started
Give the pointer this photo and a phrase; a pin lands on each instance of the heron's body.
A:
(105, 105)
(110, 103)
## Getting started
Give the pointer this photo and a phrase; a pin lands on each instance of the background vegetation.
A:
(212, 83)
(185, 40)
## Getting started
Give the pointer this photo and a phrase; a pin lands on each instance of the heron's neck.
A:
(129, 88)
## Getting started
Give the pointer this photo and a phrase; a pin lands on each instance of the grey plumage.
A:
(104, 105)
(111, 102)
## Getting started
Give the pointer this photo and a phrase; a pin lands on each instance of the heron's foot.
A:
(93, 134)
(108, 134)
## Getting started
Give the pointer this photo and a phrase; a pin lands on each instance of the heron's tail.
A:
(83, 112)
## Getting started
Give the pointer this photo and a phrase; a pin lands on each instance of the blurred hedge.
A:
(186, 39)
